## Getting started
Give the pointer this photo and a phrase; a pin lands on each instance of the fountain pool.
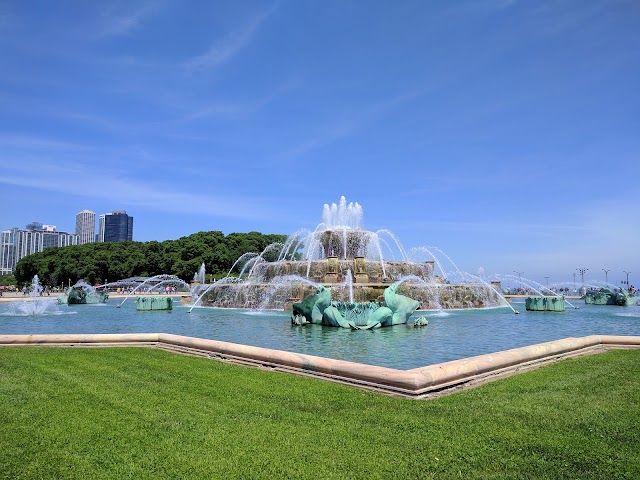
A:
(450, 335)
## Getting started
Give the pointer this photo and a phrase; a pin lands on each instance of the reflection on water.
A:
(449, 336)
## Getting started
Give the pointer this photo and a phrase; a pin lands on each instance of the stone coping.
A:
(423, 382)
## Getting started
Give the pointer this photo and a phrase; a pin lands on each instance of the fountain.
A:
(609, 296)
(199, 276)
(152, 283)
(352, 264)
(36, 304)
(83, 293)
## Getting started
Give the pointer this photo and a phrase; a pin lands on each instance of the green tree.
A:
(99, 262)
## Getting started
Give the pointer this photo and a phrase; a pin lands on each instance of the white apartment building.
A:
(86, 227)
(16, 244)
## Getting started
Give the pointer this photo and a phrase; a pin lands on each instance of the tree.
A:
(99, 262)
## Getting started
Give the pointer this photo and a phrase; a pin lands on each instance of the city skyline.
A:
(502, 132)
(17, 243)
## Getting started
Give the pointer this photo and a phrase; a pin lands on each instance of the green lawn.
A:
(146, 413)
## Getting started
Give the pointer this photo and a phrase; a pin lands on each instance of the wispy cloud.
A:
(120, 22)
(476, 7)
(77, 180)
(229, 46)
(31, 143)
(240, 109)
(602, 235)
(348, 123)
(224, 110)
(533, 229)
(5, 15)
(556, 18)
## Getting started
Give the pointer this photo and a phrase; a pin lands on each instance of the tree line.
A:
(108, 262)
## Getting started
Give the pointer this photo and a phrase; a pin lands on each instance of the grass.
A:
(146, 413)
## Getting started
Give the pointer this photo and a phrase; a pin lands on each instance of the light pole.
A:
(574, 280)
(582, 270)
(627, 278)
(606, 275)
(519, 277)
(547, 279)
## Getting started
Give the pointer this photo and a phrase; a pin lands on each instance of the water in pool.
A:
(450, 335)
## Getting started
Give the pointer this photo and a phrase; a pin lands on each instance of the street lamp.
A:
(547, 279)
(606, 275)
(627, 277)
(582, 270)
(519, 277)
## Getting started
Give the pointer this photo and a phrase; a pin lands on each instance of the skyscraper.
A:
(16, 244)
(86, 226)
(115, 227)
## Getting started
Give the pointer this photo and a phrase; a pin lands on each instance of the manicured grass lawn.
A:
(145, 413)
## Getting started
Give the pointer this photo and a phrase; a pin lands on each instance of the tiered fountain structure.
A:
(353, 262)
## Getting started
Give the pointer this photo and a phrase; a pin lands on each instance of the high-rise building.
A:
(16, 244)
(115, 227)
(86, 226)
(8, 242)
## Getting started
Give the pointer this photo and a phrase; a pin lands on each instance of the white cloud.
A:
(31, 143)
(86, 184)
(229, 46)
(71, 174)
(122, 23)
(348, 123)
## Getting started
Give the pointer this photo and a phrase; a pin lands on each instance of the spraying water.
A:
(348, 280)
(36, 305)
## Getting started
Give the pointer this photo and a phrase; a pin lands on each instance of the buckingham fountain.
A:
(341, 274)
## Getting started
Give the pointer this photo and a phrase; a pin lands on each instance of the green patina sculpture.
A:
(401, 306)
(318, 308)
(606, 296)
(154, 303)
(312, 306)
(78, 296)
(545, 304)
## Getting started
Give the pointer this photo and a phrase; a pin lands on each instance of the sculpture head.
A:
(323, 296)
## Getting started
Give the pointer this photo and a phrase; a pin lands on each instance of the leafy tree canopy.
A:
(6, 280)
(103, 262)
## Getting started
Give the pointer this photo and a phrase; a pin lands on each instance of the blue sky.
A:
(505, 133)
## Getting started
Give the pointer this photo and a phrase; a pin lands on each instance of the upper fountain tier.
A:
(341, 234)
(342, 216)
